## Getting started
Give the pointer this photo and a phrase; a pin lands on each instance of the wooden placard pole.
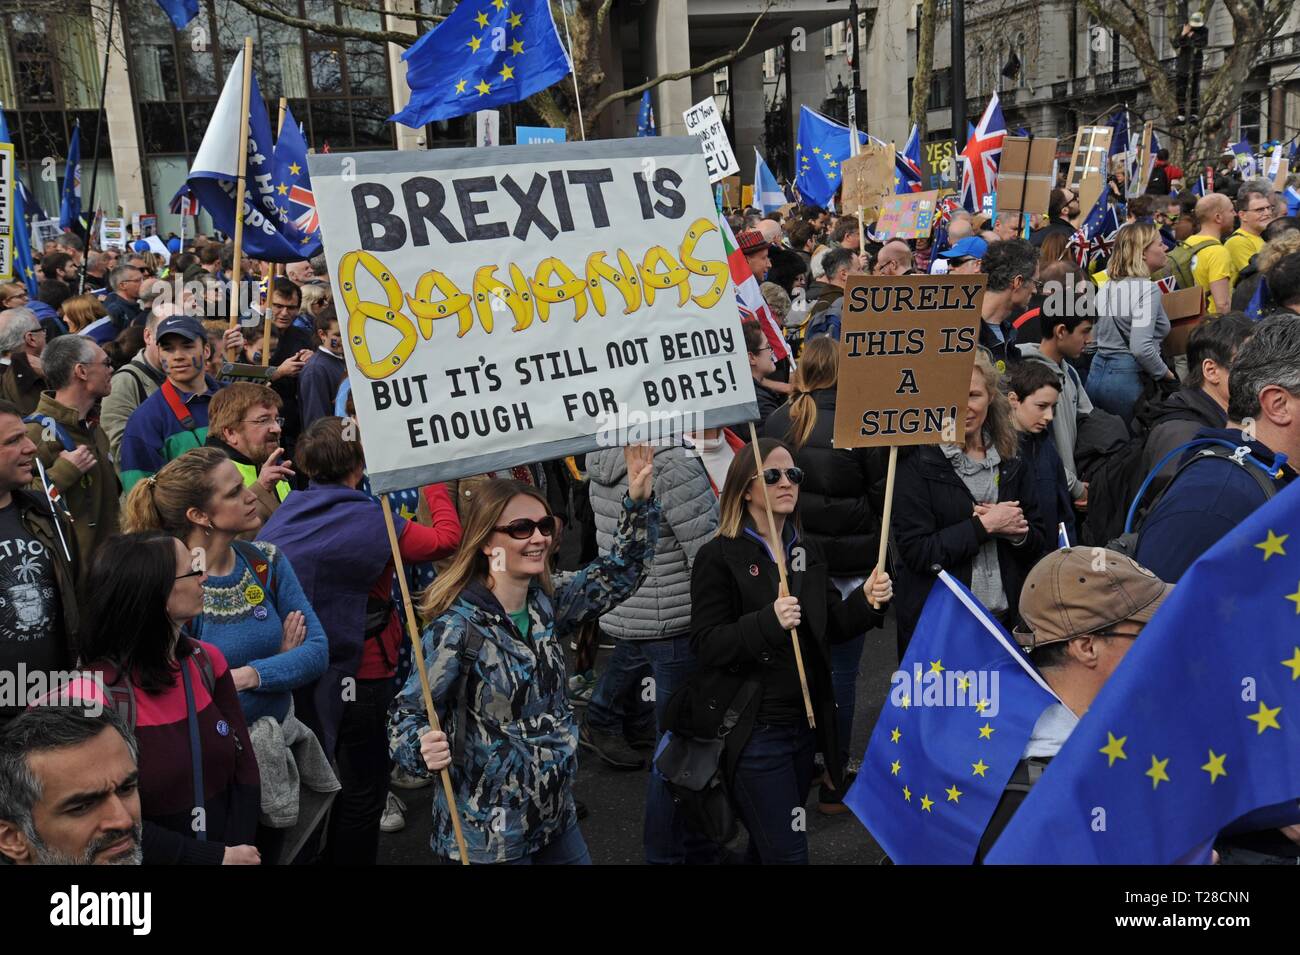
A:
(237, 263)
(884, 517)
(275, 267)
(417, 652)
(779, 554)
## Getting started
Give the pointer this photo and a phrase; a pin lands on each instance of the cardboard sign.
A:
(732, 193)
(1186, 310)
(112, 233)
(907, 216)
(704, 120)
(747, 195)
(868, 181)
(1087, 175)
(232, 372)
(8, 178)
(532, 135)
(144, 225)
(939, 165)
(906, 352)
(1025, 175)
(514, 304)
(1279, 177)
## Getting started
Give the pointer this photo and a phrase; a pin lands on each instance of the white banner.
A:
(43, 231)
(704, 120)
(521, 303)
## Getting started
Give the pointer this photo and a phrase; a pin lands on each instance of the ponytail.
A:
(140, 512)
(161, 502)
(819, 367)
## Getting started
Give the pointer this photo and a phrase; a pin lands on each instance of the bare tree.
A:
(588, 23)
(924, 65)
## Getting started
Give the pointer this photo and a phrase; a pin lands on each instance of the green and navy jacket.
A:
(166, 425)
(514, 777)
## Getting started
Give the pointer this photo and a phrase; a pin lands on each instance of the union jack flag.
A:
(907, 164)
(979, 171)
(1094, 236)
(308, 222)
(185, 202)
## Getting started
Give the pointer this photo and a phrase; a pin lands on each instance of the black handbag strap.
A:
(739, 703)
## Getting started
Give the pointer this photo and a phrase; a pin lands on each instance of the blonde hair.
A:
(819, 367)
(81, 310)
(1127, 260)
(159, 503)
(1277, 250)
(732, 509)
(998, 423)
(311, 293)
(470, 563)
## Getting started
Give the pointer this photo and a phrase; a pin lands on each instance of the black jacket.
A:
(1056, 226)
(768, 402)
(934, 524)
(736, 637)
(843, 490)
(1051, 490)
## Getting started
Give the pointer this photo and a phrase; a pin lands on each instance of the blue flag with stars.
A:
(645, 117)
(960, 711)
(1197, 727)
(488, 53)
(70, 203)
(295, 203)
(822, 147)
(23, 268)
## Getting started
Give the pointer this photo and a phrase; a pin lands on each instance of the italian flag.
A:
(749, 299)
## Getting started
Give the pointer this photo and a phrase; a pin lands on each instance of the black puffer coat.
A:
(843, 491)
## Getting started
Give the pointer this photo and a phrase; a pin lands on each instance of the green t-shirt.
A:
(521, 620)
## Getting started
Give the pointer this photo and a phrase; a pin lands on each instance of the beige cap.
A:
(1079, 590)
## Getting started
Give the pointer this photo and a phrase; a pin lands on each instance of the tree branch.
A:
(413, 16)
(713, 64)
(328, 29)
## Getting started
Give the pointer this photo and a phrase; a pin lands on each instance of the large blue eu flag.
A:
(487, 53)
(1198, 726)
(822, 147)
(960, 711)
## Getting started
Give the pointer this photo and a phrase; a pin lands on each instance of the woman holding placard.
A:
(494, 655)
(968, 509)
(742, 632)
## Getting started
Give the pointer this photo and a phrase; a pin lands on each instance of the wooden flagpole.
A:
(417, 651)
(884, 518)
(237, 263)
(275, 267)
(779, 554)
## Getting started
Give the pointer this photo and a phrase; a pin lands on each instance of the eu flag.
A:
(180, 12)
(1199, 725)
(960, 711)
(822, 147)
(484, 55)
(295, 203)
(70, 205)
(645, 117)
(23, 268)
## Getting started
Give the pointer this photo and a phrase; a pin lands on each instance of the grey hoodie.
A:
(1065, 425)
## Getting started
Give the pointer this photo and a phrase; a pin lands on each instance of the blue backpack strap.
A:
(1240, 453)
(45, 421)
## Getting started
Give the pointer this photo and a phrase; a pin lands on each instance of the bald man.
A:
(771, 230)
(895, 258)
(1212, 264)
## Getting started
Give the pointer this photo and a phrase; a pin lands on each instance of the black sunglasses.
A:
(192, 573)
(523, 528)
(772, 476)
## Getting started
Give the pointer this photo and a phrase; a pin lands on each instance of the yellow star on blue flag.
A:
(823, 145)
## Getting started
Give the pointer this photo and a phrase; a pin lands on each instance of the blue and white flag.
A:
(482, 58)
(213, 177)
(180, 12)
(767, 191)
(70, 205)
(645, 117)
(24, 269)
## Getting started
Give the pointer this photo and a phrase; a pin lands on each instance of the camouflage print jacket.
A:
(513, 781)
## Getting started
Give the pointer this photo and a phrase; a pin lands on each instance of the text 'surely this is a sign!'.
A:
(515, 304)
(906, 351)
(704, 120)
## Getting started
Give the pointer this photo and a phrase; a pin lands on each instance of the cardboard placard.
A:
(746, 195)
(232, 372)
(868, 180)
(731, 192)
(907, 347)
(704, 120)
(909, 216)
(1279, 178)
(1186, 310)
(1025, 175)
(939, 165)
(1087, 175)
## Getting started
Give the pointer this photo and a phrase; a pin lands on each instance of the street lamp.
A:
(856, 80)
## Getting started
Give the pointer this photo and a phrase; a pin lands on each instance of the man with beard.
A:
(69, 789)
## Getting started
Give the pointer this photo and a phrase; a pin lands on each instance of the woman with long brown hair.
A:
(86, 315)
(494, 657)
(741, 634)
(841, 498)
(969, 509)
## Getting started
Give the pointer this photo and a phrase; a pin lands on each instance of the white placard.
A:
(521, 303)
(44, 230)
(704, 120)
(112, 233)
(487, 126)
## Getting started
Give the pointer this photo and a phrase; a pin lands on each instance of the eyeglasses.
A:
(263, 421)
(523, 528)
(1259, 209)
(772, 476)
(106, 362)
(1113, 633)
(192, 573)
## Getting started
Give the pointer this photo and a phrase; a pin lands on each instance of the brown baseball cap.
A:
(1079, 590)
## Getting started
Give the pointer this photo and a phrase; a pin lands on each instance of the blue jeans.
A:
(846, 660)
(619, 704)
(1115, 383)
(568, 848)
(772, 778)
(667, 840)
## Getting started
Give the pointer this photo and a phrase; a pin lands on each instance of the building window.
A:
(940, 89)
(1248, 118)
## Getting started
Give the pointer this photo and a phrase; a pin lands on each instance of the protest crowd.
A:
(187, 524)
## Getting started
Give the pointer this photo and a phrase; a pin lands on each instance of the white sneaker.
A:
(394, 817)
(404, 780)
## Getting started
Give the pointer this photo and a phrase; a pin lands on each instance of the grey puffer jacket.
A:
(661, 607)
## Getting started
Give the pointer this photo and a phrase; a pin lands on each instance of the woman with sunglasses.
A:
(494, 655)
(254, 609)
(139, 600)
(335, 536)
(841, 496)
(741, 631)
